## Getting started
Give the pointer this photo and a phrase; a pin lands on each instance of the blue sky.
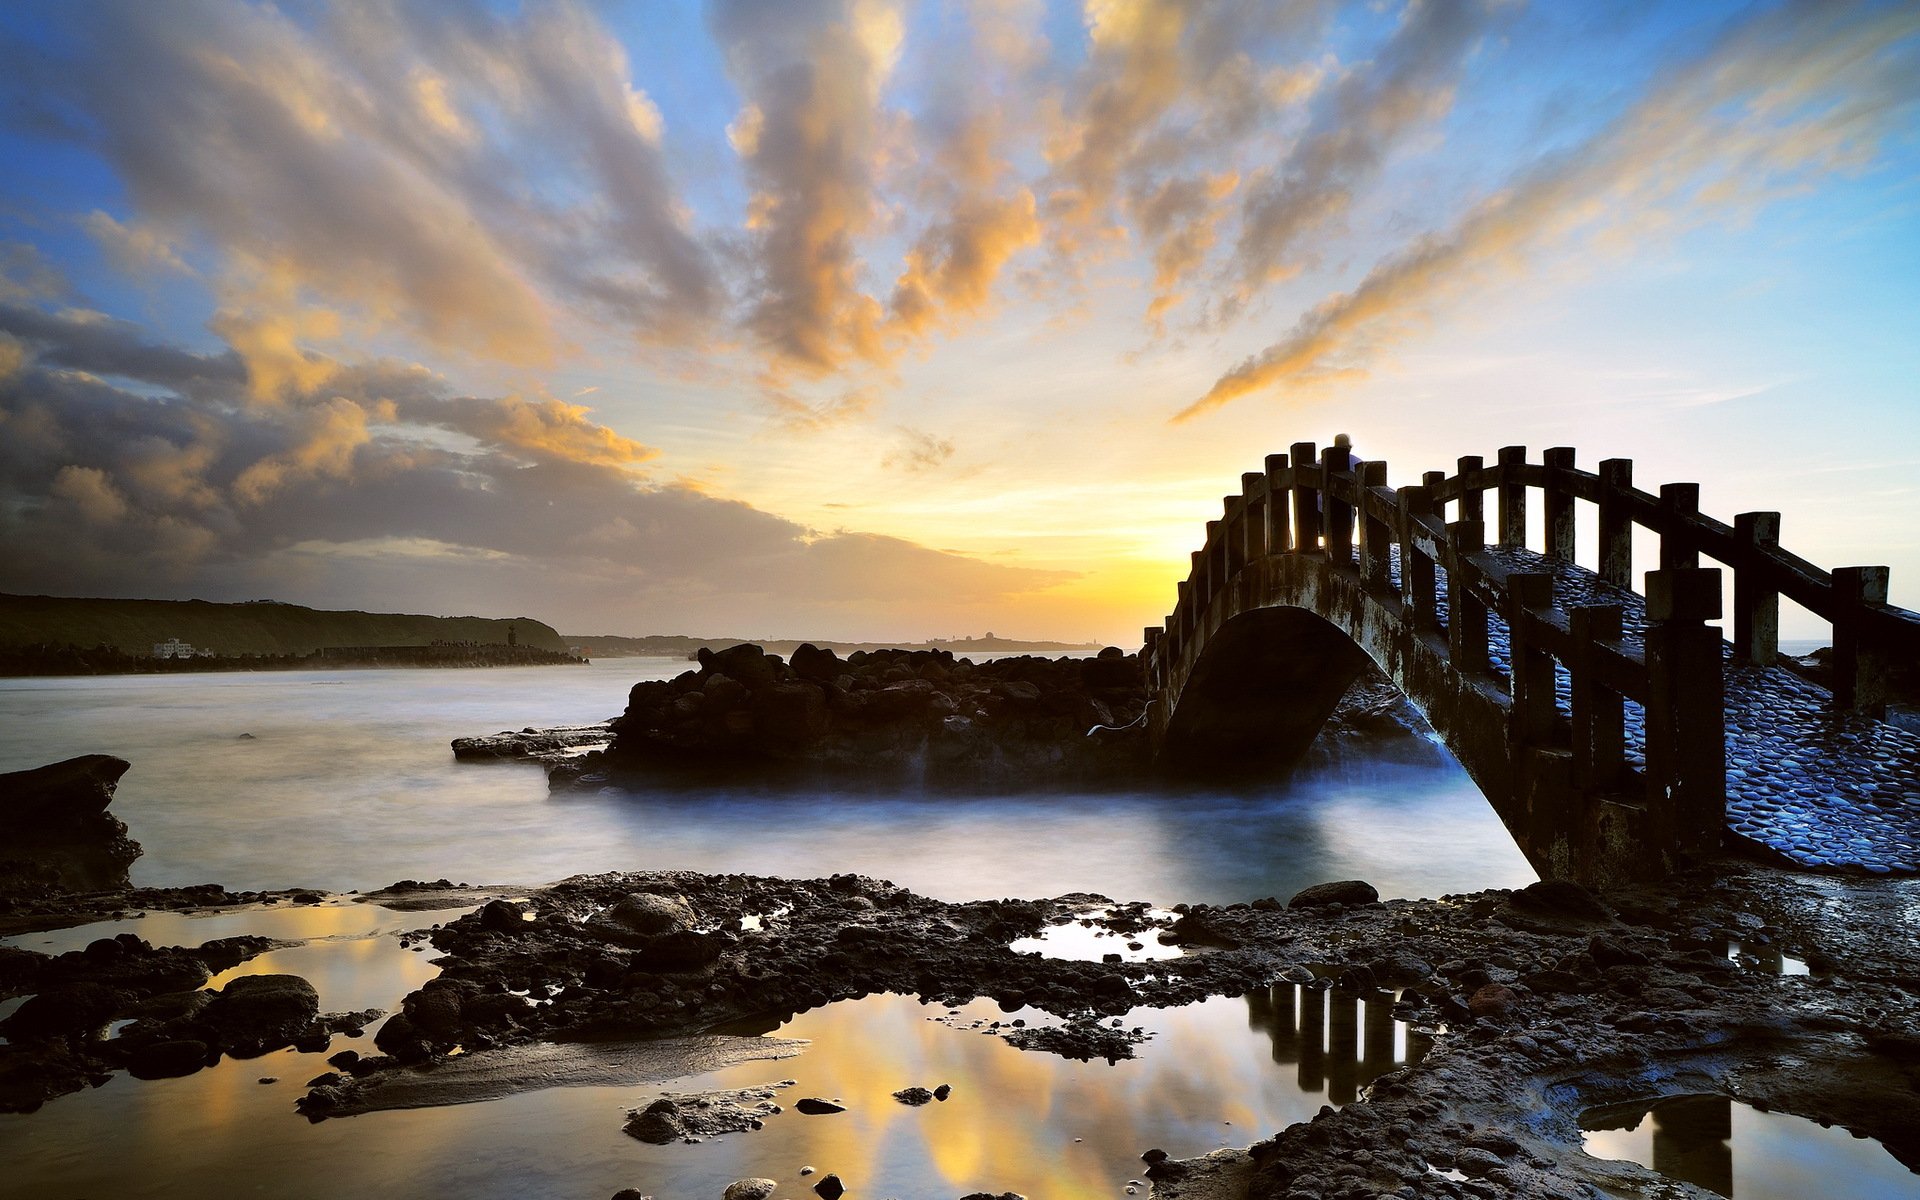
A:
(858, 318)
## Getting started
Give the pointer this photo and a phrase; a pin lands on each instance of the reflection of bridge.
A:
(1615, 732)
(1342, 1040)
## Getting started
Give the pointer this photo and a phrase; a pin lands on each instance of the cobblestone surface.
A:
(1819, 788)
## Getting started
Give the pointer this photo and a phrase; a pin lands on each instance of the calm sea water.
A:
(347, 782)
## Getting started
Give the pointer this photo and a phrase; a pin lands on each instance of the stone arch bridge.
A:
(1615, 731)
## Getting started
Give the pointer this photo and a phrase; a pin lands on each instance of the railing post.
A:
(1679, 504)
(1150, 655)
(1180, 624)
(1376, 536)
(1559, 506)
(1279, 512)
(1416, 569)
(1756, 607)
(1616, 523)
(1254, 547)
(1513, 497)
(1233, 555)
(1473, 502)
(1466, 614)
(1599, 715)
(1861, 674)
(1306, 501)
(1338, 514)
(1531, 685)
(1686, 711)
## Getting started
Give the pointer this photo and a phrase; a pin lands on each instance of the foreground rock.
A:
(55, 832)
(893, 716)
(1540, 1003)
(532, 745)
(696, 1116)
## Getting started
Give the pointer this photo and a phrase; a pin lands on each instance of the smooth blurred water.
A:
(347, 782)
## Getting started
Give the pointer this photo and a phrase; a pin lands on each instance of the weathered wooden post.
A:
(1416, 569)
(1679, 505)
(1598, 713)
(1513, 497)
(1150, 647)
(1861, 674)
(1756, 607)
(1686, 712)
(1216, 552)
(1279, 512)
(1253, 487)
(1306, 500)
(1533, 709)
(1466, 614)
(1558, 501)
(1616, 522)
(1338, 531)
(1473, 501)
(1376, 536)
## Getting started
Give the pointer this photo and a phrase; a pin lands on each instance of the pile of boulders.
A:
(892, 715)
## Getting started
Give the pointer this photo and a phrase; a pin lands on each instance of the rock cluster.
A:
(57, 1043)
(890, 715)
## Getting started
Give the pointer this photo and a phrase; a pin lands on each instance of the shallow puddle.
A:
(1224, 1072)
(1080, 939)
(1227, 1071)
(1738, 1151)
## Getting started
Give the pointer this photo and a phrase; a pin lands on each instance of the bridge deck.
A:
(1817, 787)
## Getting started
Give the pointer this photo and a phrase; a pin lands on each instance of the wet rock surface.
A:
(532, 745)
(1540, 1002)
(694, 1116)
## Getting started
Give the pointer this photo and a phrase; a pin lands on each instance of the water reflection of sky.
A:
(1740, 1152)
(348, 783)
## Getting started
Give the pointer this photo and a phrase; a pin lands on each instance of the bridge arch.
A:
(1593, 717)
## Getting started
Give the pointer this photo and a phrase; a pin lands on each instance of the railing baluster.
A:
(1376, 536)
(1686, 713)
(1513, 497)
(1306, 501)
(1599, 716)
(1338, 533)
(1466, 615)
(1531, 685)
(1679, 504)
(1756, 607)
(1616, 525)
(1279, 512)
(1473, 501)
(1559, 506)
(1860, 672)
(1416, 569)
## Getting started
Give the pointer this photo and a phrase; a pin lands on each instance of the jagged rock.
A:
(55, 832)
(749, 1189)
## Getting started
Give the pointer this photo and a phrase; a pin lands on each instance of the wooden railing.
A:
(1317, 502)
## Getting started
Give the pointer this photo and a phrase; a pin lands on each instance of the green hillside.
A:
(262, 627)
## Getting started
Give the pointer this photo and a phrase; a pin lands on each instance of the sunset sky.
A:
(863, 319)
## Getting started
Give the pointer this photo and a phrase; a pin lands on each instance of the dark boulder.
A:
(257, 1013)
(166, 1060)
(1344, 891)
(55, 831)
(75, 1009)
(746, 662)
(811, 662)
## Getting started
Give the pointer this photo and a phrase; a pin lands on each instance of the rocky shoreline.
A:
(888, 718)
(1531, 1006)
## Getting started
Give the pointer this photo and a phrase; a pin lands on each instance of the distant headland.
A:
(681, 646)
(64, 635)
